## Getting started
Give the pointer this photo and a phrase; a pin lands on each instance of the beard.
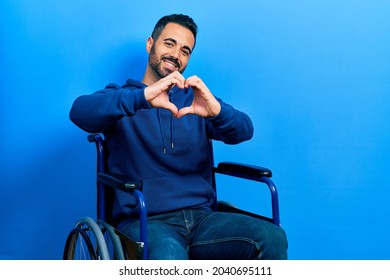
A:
(155, 64)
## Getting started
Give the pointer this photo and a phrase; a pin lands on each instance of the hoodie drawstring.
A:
(161, 129)
(172, 137)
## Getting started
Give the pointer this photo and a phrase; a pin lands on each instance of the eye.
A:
(169, 44)
(185, 52)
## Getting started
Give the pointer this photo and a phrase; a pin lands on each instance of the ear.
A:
(149, 44)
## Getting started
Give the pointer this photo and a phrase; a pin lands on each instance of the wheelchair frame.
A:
(91, 239)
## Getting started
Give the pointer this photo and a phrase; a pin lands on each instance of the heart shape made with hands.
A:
(204, 103)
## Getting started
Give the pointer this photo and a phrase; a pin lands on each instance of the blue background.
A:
(313, 75)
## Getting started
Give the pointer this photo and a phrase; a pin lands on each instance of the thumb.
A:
(184, 111)
(171, 107)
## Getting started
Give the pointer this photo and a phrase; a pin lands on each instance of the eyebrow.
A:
(175, 42)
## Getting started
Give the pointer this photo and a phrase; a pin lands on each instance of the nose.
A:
(175, 52)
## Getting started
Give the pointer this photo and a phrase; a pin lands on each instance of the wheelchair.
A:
(98, 240)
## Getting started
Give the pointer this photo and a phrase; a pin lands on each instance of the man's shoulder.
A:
(133, 84)
(129, 84)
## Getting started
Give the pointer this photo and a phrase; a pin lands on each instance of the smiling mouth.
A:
(173, 65)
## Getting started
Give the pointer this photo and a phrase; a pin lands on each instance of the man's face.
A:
(171, 51)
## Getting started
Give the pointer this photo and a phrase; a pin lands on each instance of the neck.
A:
(150, 77)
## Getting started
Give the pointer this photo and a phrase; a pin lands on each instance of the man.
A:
(158, 131)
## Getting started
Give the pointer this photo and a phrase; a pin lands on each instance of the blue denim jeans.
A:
(205, 234)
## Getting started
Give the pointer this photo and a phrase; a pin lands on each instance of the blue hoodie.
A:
(170, 156)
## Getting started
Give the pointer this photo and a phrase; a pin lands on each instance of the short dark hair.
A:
(180, 19)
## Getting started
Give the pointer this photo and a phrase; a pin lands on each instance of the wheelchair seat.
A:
(100, 240)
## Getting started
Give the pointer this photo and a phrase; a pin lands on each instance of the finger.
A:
(177, 79)
(194, 77)
(179, 82)
(196, 82)
(172, 108)
(184, 111)
(192, 81)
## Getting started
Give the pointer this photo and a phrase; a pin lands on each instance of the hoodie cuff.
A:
(224, 115)
(137, 98)
(144, 103)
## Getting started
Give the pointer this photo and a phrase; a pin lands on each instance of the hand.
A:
(158, 94)
(204, 103)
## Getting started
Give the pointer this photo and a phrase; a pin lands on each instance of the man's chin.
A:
(165, 72)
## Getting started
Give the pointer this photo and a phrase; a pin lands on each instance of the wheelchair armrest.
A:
(241, 170)
(254, 173)
(117, 181)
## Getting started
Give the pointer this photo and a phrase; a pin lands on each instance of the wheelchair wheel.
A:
(113, 242)
(86, 242)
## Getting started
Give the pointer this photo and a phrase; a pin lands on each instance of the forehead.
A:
(180, 34)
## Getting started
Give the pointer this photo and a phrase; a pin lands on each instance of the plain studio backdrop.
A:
(314, 76)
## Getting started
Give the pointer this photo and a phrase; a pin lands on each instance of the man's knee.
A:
(167, 249)
(275, 245)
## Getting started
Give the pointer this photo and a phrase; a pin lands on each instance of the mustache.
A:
(173, 60)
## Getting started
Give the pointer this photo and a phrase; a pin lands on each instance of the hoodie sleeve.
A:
(98, 111)
(230, 126)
